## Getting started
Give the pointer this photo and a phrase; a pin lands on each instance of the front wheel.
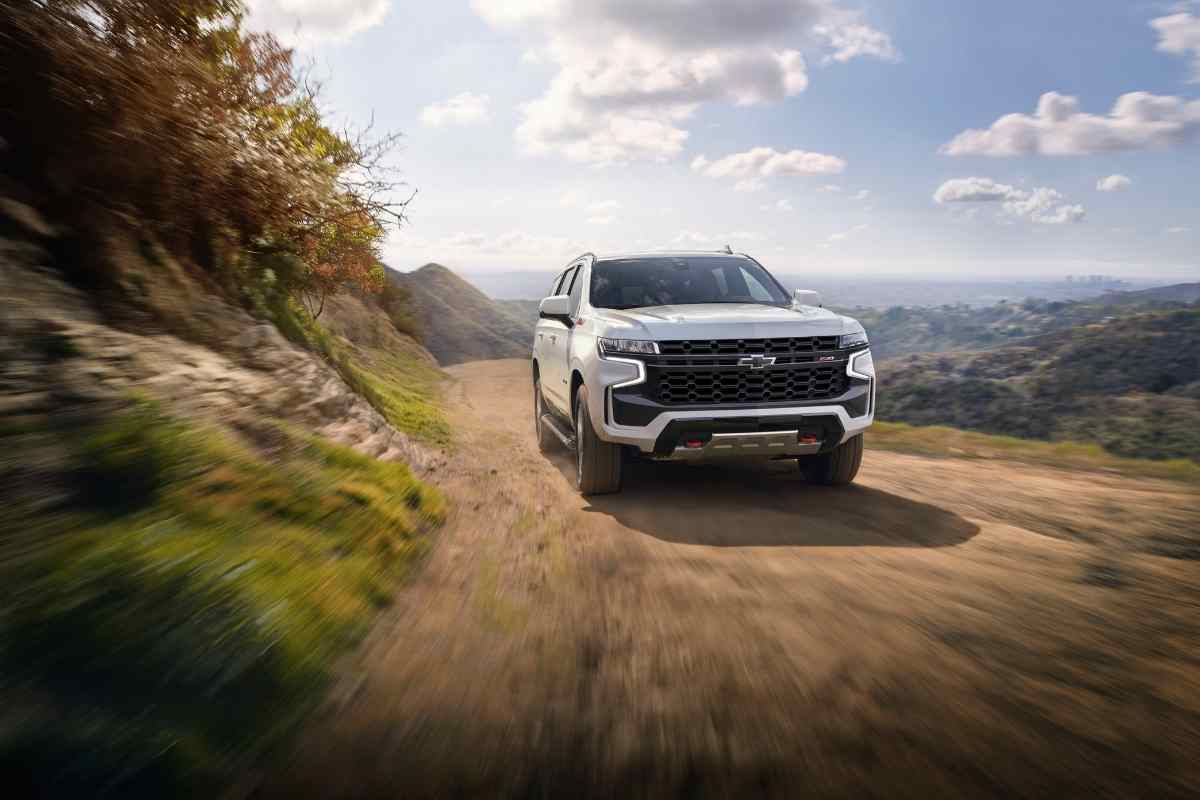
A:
(597, 462)
(835, 468)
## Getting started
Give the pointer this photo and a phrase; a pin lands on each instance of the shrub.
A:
(169, 118)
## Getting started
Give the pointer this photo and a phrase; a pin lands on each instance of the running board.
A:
(551, 422)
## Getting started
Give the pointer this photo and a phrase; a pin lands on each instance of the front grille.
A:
(687, 386)
(716, 347)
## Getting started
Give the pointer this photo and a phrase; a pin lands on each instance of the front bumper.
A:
(762, 429)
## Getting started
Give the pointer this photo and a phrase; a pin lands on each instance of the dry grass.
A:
(935, 440)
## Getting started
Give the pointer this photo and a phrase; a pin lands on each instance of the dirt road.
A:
(945, 628)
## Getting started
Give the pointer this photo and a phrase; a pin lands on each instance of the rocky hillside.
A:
(1130, 383)
(457, 321)
(198, 513)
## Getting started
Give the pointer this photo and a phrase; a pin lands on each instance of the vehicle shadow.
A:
(739, 504)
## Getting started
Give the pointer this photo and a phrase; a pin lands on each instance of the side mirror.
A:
(556, 307)
(807, 297)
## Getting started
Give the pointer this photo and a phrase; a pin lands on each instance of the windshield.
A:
(682, 280)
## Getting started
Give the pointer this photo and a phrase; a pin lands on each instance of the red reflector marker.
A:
(693, 444)
(807, 438)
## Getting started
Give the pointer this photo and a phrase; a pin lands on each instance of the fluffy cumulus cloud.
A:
(751, 167)
(1041, 205)
(629, 75)
(1113, 183)
(303, 23)
(1179, 34)
(1138, 121)
(462, 109)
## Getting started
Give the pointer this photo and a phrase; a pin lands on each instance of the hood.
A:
(721, 321)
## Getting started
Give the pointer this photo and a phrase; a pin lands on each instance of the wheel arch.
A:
(576, 382)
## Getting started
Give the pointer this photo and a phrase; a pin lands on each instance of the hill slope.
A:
(1131, 384)
(901, 330)
(1183, 293)
(458, 322)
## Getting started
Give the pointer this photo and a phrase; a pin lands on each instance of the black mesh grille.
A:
(688, 386)
(799, 344)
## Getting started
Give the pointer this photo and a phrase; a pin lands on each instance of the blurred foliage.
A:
(1129, 383)
(180, 608)
(169, 119)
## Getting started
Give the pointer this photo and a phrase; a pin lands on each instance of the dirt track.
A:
(945, 628)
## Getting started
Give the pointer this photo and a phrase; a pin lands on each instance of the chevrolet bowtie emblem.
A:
(756, 362)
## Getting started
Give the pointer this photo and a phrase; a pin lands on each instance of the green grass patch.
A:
(180, 611)
(935, 440)
(398, 383)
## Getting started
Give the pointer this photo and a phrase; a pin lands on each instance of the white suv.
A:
(681, 356)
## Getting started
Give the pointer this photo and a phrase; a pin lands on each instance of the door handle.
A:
(553, 339)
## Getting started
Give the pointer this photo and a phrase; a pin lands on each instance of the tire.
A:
(835, 468)
(597, 462)
(545, 438)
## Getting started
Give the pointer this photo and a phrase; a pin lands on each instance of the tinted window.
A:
(557, 283)
(682, 280)
(576, 290)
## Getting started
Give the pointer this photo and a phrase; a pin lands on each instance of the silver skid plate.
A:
(768, 443)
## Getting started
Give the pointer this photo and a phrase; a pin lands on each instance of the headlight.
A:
(851, 340)
(861, 365)
(631, 346)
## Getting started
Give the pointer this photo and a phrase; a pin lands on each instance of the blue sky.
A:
(819, 135)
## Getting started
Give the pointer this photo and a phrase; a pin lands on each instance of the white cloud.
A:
(973, 190)
(830, 187)
(854, 41)
(780, 205)
(862, 194)
(1178, 229)
(1042, 205)
(570, 198)
(1179, 34)
(462, 109)
(1138, 121)
(752, 166)
(1113, 183)
(631, 74)
(602, 219)
(604, 205)
(304, 23)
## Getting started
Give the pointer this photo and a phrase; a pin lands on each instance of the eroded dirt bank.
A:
(946, 628)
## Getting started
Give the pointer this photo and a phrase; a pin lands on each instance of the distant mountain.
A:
(1182, 293)
(1129, 383)
(524, 310)
(460, 323)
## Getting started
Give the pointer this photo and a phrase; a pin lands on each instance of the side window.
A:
(756, 289)
(576, 290)
(557, 283)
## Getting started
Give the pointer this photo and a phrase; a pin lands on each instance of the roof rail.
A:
(728, 250)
